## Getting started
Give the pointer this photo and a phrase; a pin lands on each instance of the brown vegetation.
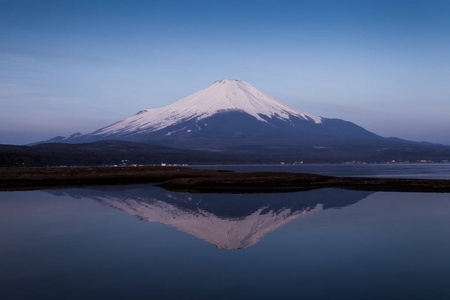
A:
(203, 181)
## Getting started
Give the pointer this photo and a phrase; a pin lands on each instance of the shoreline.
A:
(185, 179)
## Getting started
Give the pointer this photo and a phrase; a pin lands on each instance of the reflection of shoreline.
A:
(226, 221)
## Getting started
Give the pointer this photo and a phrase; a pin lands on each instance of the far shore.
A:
(184, 179)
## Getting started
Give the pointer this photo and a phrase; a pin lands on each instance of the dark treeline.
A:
(130, 153)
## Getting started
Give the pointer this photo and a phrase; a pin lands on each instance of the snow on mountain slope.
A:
(221, 96)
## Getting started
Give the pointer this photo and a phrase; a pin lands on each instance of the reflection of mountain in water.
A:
(228, 221)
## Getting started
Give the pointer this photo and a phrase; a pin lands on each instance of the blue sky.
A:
(69, 66)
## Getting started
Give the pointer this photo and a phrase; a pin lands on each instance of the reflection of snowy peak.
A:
(224, 233)
(228, 221)
(221, 96)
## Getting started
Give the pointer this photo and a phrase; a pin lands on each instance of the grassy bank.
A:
(185, 179)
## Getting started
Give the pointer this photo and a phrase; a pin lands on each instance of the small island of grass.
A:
(184, 179)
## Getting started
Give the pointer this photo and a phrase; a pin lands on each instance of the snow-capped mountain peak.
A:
(221, 96)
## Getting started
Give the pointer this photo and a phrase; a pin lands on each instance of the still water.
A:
(143, 242)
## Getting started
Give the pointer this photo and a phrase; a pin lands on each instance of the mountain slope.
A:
(220, 97)
(233, 116)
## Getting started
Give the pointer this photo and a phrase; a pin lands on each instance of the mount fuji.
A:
(232, 115)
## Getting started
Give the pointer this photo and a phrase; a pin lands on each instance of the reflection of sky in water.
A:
(67, 244)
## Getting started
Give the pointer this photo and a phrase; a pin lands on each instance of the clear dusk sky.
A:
(76, 66)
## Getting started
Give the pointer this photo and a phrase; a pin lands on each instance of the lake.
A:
(143, 242)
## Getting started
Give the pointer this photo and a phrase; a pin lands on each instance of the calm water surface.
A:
(143, 242)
